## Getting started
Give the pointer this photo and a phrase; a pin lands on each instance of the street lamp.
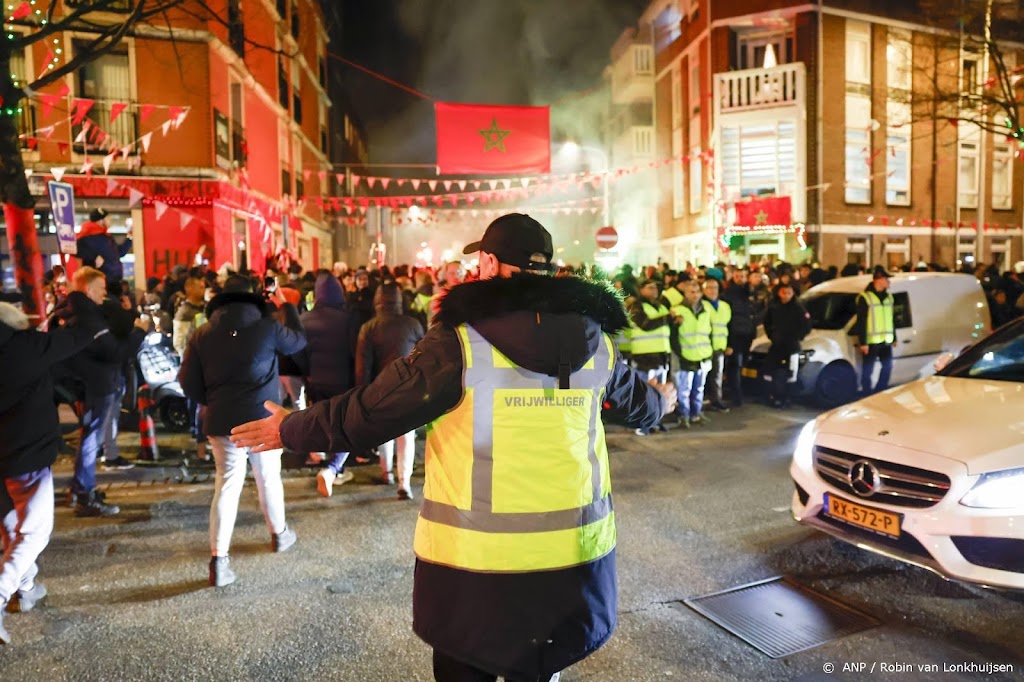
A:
(571, 148)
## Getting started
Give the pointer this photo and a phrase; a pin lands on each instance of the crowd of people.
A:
(366, 355)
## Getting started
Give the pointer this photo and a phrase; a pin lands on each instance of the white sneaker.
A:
(345, 477)
(325, 482)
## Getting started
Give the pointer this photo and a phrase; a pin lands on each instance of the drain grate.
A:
(780, 617)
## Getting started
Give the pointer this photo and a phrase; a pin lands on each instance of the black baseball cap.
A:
(880, 273)
(98, 214)
(517, 239)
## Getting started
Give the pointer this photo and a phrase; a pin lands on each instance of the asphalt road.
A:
(698, 512)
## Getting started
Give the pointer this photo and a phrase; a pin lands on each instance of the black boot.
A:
(92, 504)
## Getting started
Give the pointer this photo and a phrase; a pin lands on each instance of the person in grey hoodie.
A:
(390, 335)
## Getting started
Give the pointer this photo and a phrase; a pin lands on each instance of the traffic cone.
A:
(147, 430)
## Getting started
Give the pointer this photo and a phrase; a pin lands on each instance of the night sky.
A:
(482, 51)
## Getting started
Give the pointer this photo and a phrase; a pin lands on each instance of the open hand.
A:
(262, 434)
(668, 394)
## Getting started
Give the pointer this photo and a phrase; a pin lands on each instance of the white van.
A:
(934, 313)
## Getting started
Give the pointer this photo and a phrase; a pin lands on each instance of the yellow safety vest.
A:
(624, 339)
(198, 320)
(719, 324)
(421, 303)
(880, 327)
(517, 475)
(654, 340)
(695, 335)
(673, 296)
(309, 300)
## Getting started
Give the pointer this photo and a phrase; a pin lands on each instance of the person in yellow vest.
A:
(721, 315)
(515, 542)
(693, 320)
(876, 331)
(624, 338)
(649, 337)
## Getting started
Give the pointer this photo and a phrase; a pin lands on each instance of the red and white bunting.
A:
(432, 184)
(126, 151)
(355, 179)
(81, 108)
(166, 127)
(160, 208)
(322, 176)
(185, 219)
(462, 185)
(384, 182)
(86, 167)
(107, 160)
(180, 118)
(58, 172)
(476, 184)
(371, 181)
(447, 185)
(111, 186)
(340, 177)
(306, 174)
(507, 183)
(145, 110)
(493, 184)
(525, 182)
(416, 184)
(115, 110)
(146, 139)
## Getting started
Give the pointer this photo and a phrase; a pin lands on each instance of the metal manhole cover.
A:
(780, 617)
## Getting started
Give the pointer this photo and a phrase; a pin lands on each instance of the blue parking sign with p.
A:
(62, 207)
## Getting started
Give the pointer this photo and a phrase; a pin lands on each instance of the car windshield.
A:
(830, 310)
(1000, 357)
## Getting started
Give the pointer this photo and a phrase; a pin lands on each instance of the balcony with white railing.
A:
(633, 74)
(753, 89)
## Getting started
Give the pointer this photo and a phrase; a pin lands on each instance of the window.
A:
(282, 83)
(858, 149)
(896, 253)
(696, 180)
(899, 60)
(753, 47)
(677, 97)
(286, 182)
(678, 200)
(236, 118)
(295, 19)
(26, 119)
(296, 91)
(970, 76)
(759, 160)
(858, 52)
(695, 87)
(968, 166)
(966, 250)
(324, 124)
(236, 27)
(106, 79)
(857, 251)
(1000, 255)
(1002, 177)
(897, 178)
(901, 317)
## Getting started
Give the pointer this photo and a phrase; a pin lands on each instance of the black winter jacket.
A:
(99, 366)
(29, 428)
(331, 331)
(517, 625)
(786, 325)
(230, 364)
(389, 336)
(743, 325)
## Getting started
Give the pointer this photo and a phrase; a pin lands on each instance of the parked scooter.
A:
(157, 364)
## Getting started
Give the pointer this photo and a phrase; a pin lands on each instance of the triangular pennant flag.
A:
(432, 184)
(134, 196)
(355, 179)
(62, 148)
(384, 182)
(462, 184)
(145, 110)
(166, 126)
(160, 208)
(185, 219)
(525, 182)
(47, 131)
(507, 183)
(58, 172)
(447, 185)
(86, 167)
(81, 108)
(49, 101)
(125, 151)
(173, 112)
(493, 184)
(115, 110)
(476, 184)
(306, 174)
(146, 139)
(322, 175)
(107, 160)
(111, 186)
(340, 177)
(416, 184)
(32, 142)
(80, 138)
(21, 11)
(180, 118)
(371, 181)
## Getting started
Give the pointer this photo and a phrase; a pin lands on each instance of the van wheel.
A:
(174, 414)
(836, 385)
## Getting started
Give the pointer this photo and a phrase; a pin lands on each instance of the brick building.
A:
(246, 95)
(841, 106)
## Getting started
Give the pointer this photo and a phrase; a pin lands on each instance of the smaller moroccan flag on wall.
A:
(481, 138)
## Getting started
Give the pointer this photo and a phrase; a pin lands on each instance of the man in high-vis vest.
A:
(721, 314)
(649, 338)
(693, 321)
(515, 543)
(876, 331)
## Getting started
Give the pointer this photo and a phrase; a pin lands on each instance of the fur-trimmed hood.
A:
(11, 320)
(473, 301)
(541, 323)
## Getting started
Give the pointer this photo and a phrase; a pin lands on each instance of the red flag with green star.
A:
(481, 138)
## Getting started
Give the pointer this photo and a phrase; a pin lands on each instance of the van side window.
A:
(901, 311)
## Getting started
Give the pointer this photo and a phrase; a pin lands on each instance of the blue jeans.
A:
(336, 462)
(881, 352)
(690, 386)
(96, 428)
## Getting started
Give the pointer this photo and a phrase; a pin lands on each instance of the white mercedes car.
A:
(932, 472)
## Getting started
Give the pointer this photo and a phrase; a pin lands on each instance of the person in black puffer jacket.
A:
(390, 335)
(331, 330)
(230, 366)
(742, 330)
(786, 324)
(30, 432)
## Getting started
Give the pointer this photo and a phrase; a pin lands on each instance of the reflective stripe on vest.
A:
(880, 327)
(422, 302)
(654, 340)
(624, 339)
(719, 324)
(695, 335)
(673, 296)
(517, 474)
(309, 300)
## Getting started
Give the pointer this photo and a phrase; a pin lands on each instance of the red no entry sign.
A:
(607, 237)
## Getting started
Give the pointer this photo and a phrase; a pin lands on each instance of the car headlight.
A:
(996, 490)
(803, 454)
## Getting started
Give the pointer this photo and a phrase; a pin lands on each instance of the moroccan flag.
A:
(766, 211)
(480, 138)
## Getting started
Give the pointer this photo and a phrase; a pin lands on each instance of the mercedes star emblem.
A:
(864, 478)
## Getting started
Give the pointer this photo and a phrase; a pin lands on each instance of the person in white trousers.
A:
(406, 457)
(230, 366)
